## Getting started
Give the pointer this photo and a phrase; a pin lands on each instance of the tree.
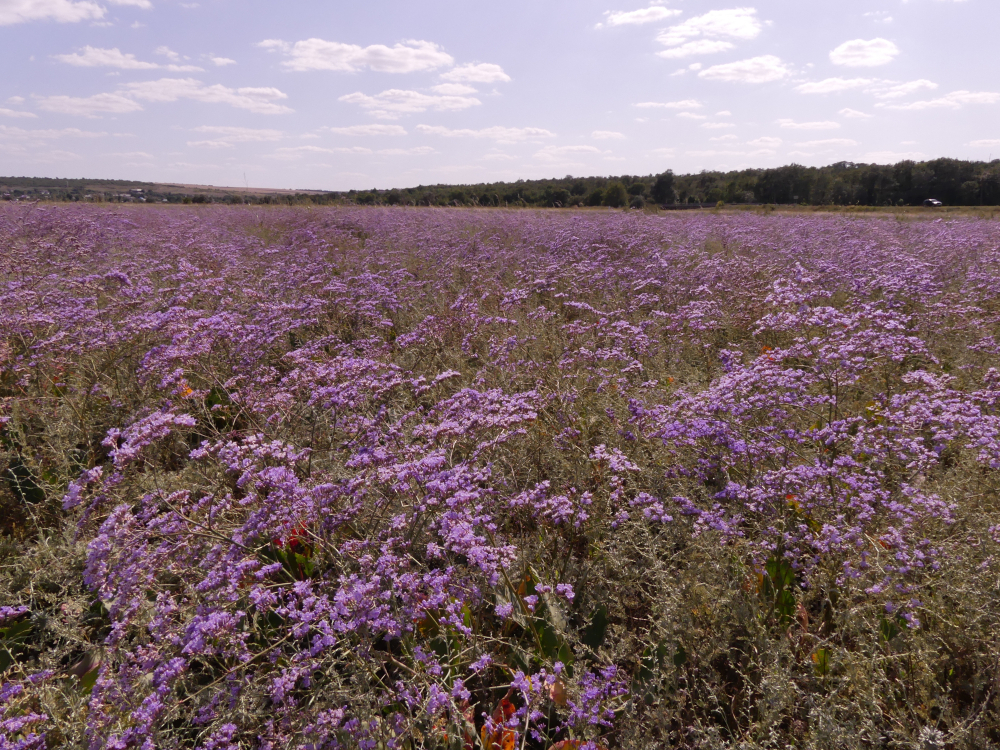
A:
(596, 197)
(615, 195)
(663, 188)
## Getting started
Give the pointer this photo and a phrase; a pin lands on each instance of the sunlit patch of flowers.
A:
(400, 479)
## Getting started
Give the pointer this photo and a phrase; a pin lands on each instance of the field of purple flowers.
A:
(494, 480)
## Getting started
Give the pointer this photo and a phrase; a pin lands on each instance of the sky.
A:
(332, 95)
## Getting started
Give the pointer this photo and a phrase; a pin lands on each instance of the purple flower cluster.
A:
(342, 481)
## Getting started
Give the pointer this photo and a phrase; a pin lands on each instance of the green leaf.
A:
(594, 634)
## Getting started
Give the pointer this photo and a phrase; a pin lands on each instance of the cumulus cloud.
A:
(683, 104)
(828, 143)
(735, 23)
(394, 103)
(20, 135)
(254, 99)
(717, 125)
(864, 53)
(63, 11)
(643, 15)
(605, 135)
(904, 89)
(854, 114)
(497, 133)
(833, 85)
(89, 106)
(225, 136)
(296, 152)
(221, 61)
(755, 70)
(409, 56)
(985, 143)
(696, 47)
(372, 129)
(954, 100)
(558, 153)
(476, 73)
(97, 57)
(792, 125)
(691, 116)
(766, 142)
(4, 112)
(455, 89)
(891, 157)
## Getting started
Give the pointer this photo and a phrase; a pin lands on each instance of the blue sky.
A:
(337, 95)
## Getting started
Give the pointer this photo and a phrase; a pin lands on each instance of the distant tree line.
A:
(908, 183)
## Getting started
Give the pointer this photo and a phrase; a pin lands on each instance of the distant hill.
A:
(907, 183)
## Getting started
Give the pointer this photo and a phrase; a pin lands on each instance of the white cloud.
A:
(954, 100)
(643, 15)
(96, 57)
(167, 53)
(736, 23)
(854, 114)
(891, 157)
(39, 136)
(683, 104)
(15, 113)
(604, 135)
(228, 135)
(696, 47)
(144, 4)
(691, 116)
(724, 113)
(864, 53)
(792, 125)
(755, 70)
(372, 129)
(296, 152)
(221, 61)
(254, 99)
(717, 125)
(89, 106)
(476, 73)
(766, 142)
(556, 153)
(63, 11)
(904, 89)
(726, 137)
(985, 143)
(833, 85)
(828, 142)
(453, 89)
(393, 103)
(497, 133)
(318, 54)
(15, 99)
(415, 151)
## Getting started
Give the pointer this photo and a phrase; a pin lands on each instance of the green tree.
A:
(663, 188)
(615, 195)
(596, 197)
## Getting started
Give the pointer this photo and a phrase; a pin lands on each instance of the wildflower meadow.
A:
(400, 478)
